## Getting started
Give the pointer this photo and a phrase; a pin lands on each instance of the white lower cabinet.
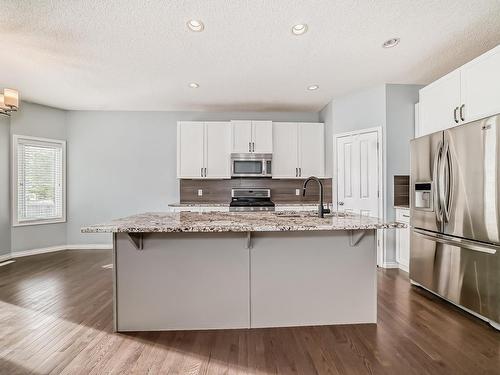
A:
(403, 239)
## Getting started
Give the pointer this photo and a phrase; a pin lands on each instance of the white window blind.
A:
(39, 183)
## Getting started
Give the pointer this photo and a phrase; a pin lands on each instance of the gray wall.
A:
(392, 108)
(360, 110)
(121, 163)
(38, 121)
(400, 129)
(5, 244)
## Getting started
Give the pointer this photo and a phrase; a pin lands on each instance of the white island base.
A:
(186, 281)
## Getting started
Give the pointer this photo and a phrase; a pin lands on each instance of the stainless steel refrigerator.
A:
(455, 216)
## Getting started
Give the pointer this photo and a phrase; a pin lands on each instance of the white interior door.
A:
(241, 136)
(190, 149)
(285, 160)
(218, 149)
(262, 136)
(358, 173)
(311, 150)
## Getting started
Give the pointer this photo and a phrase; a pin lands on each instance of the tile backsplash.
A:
(282, 190)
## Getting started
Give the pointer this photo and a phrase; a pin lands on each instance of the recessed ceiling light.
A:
(194, 85)
(299, 29)
(195, 25)
(391, 43)
(312, 87)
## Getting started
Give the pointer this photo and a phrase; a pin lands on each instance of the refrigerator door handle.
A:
(445, 181)
(459, 242)
(436, 181)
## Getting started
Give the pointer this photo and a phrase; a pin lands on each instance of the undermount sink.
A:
(307, 214)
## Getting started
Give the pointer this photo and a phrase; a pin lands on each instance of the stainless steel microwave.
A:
(251, 165)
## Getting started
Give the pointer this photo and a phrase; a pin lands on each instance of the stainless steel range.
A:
(251, 199)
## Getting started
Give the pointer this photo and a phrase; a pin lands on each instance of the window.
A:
(39, 180)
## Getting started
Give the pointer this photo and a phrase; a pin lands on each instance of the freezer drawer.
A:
(468, 275)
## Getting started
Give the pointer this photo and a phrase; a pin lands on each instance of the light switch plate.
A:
(200, 192)
(297, 191)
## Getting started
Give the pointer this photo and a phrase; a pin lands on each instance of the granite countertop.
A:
(237, 222)
(200, 204)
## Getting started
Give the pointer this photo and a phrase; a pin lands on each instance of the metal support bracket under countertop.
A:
(137, 240)
(249, 241)
(355, 236)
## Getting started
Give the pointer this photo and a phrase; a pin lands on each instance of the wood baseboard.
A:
(390, 265)
(51, 249)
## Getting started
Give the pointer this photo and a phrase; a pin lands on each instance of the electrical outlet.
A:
(200, 192)
(297, 191)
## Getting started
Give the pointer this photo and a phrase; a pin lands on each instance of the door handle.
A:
(249, 146)
(341, 203)
(436, 182)
(462, 112)
(459, 242)
(455, 114)
(201, 172)
(205, 172)
(296, 172)
(253, 146)
(300, 172)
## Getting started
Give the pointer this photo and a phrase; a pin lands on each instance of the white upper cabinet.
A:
(262, 137)
(439, 103)
(252, 136)
(241, 136)
(218, 149)
(480, 86)
(311, 149)
(190, 149)
(298, 150)
(464, 95)
(285, 150)
(203, 149)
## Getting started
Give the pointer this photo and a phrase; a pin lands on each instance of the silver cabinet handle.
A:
(452, 241)
(249, 146)
(205, 172)
(296, 172)
(300, 172)
(341, 203)
(405, 215)
(455, 114)
(462, 112)
(253, 146)
(201, 172)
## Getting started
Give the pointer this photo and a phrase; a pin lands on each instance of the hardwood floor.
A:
(56, 317)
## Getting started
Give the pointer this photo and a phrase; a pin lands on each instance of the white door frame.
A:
(381, 248)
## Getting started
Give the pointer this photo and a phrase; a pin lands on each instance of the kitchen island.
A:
(217, 270)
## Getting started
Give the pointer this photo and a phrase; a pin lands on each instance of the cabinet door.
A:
(262, 136)
(285, 150)
(403, 238)
(218, 149)
(480, 83)
(190, 149)
(241, 136)
(311, 150)
(437, 103)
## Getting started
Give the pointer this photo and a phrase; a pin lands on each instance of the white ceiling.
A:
(136, 54)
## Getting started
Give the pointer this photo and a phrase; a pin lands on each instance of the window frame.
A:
(14, 185)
